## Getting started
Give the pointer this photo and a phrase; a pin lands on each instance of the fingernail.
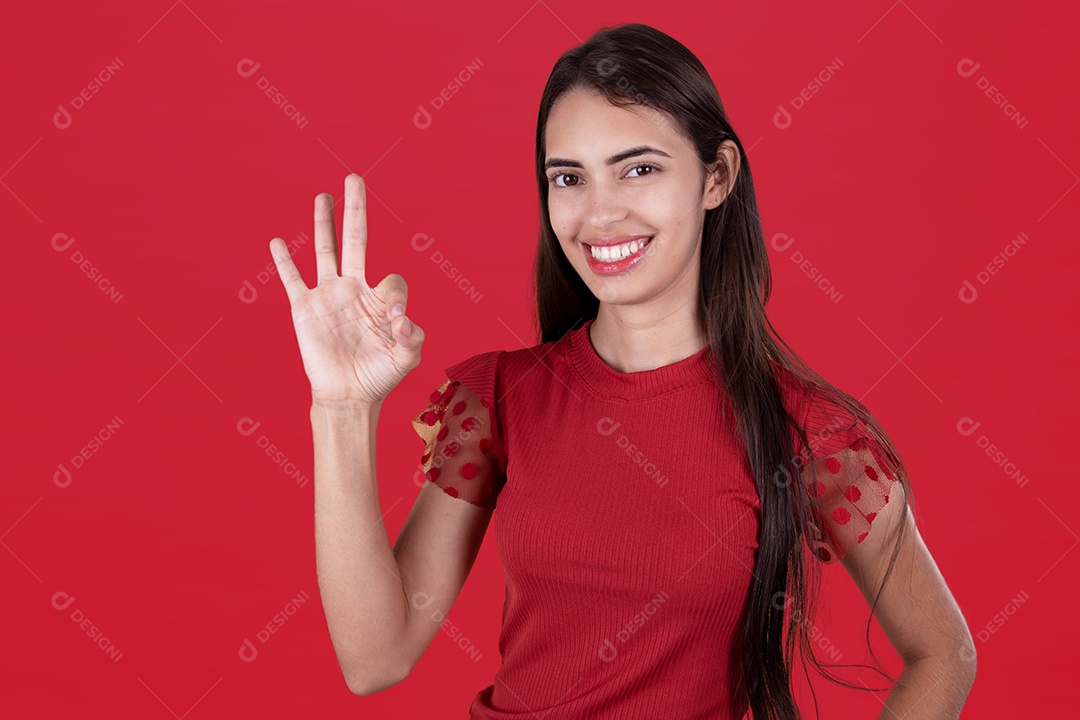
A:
(406, 328)
(396, 310)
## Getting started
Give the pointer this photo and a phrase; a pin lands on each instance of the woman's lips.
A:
(612, 268)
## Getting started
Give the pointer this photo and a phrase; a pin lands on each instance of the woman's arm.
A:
(359, 578)
(383, 606)
(919, 616)
(355, 350)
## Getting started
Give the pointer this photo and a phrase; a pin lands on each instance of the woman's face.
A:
(603, 187)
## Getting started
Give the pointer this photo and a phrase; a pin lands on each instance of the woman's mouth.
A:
(618, 258)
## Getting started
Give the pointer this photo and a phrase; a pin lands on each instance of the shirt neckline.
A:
(608, 381)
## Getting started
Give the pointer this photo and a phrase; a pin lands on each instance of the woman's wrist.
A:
(350, 406)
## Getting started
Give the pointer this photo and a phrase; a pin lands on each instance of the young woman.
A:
(669, 480)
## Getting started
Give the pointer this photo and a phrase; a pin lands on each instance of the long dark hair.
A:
(634, 64)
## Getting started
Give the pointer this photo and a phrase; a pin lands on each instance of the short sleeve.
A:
(463, 451)
(847, 476)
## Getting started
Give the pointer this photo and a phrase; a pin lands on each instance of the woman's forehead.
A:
(586, 127)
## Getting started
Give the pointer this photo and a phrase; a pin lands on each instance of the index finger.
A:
(354, 233)
(286, 270)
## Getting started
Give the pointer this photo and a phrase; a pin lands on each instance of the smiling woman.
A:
(661, 181)
(650, 234)
(670, 477)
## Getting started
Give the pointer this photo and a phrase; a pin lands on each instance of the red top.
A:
(627, 523)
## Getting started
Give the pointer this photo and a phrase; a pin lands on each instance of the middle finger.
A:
(325, 237)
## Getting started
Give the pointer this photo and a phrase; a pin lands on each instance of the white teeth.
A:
(618, 252)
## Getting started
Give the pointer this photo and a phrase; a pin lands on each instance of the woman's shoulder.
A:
(829, 424)
(796, 394)
(513, 363)
(480, 365)
(522, 369)
(479, 373)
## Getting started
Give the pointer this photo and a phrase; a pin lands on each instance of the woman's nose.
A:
(606, 207)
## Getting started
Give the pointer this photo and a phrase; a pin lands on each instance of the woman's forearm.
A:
(359, 577)
(930, 688)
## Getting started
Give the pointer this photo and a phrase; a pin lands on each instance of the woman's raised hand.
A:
(355, 350)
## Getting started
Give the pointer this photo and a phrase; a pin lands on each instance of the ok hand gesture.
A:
(355, 349)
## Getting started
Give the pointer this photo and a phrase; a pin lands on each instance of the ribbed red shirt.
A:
(626, 523)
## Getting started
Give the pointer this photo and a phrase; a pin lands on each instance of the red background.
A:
(180, 537)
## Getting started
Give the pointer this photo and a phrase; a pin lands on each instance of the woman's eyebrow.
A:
(632, 152)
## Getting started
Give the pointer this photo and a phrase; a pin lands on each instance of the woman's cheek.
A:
(561, 220)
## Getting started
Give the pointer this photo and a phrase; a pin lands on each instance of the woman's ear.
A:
(721, 175)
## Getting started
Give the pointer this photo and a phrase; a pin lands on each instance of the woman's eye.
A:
(644, 167)
(555, 178)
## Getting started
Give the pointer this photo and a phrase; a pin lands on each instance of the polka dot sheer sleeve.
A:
(463, 451)
(847, 476)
